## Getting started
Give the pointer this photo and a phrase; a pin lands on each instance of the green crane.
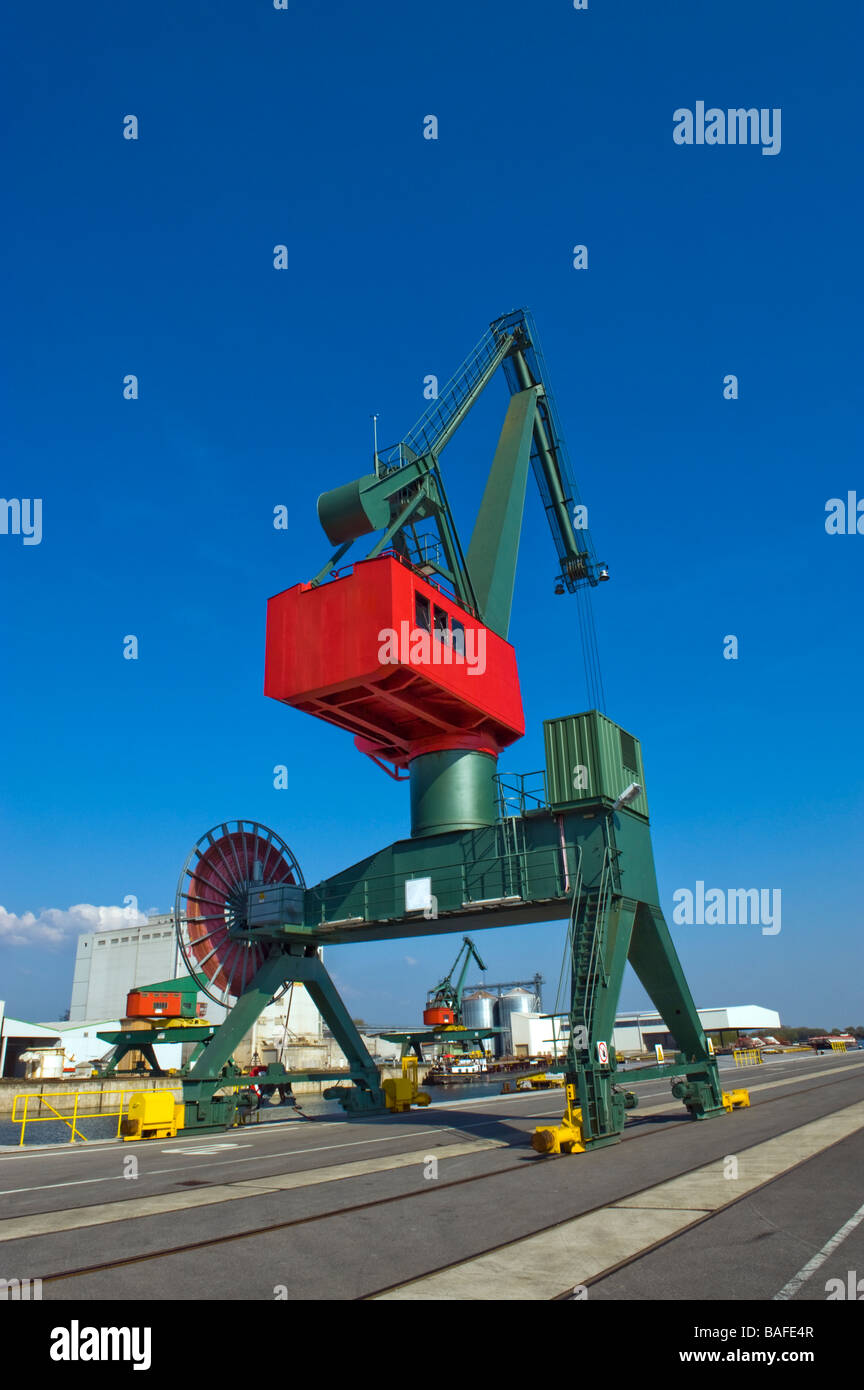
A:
(446, 995)
(572, 842)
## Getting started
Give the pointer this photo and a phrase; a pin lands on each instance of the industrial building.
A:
(635, 1034)
(16, 1036)
(43, 1050)
(641, 1032)
(110, 963)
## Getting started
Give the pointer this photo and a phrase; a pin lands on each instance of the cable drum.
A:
(213, 931)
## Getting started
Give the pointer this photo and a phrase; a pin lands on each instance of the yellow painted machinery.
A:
(565, 1138)
(540, 1082)
(152, 1115)
(401, 1092)
(736, 1100)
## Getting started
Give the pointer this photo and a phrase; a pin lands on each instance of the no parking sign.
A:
(603, 1052)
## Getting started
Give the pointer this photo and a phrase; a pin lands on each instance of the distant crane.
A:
(444, 1002)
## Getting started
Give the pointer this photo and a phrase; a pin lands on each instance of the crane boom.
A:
(446, 994)
(523, 368)
(407, 490)
(403, 504)
(441, 419)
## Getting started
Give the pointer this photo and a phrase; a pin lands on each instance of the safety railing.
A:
(415, 564)
(747, 1056)
(69, 1118)
(436, 425)
(479, 882)
(518, 792)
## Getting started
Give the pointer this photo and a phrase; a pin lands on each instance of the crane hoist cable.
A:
(590, 651)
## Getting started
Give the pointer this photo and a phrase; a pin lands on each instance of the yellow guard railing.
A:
(67, 1117)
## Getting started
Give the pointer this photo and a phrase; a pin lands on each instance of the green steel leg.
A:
(605, 937)
(122, 1049)
(193, 1058)
(275, 971)
(208, 1073)
(602, 944)
(655, 961)
(366, 1093)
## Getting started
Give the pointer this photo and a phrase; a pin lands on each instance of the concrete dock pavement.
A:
(442, 1202)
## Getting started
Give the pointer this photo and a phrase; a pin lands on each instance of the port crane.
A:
(443, 1014)
(444, 1002)
(407, 649)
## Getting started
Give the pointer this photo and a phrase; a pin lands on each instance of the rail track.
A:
(633, 1132)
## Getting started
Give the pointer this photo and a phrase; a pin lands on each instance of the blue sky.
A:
(155, 257)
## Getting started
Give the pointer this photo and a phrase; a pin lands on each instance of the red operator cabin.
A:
(383, 653)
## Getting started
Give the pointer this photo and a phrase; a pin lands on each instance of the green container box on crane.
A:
(590, 758)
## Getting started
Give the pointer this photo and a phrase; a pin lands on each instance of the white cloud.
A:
(52, 926)
(409, 960)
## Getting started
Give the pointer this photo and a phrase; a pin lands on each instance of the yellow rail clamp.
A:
(736, 1100)
(152, 1115)
(565, 1138)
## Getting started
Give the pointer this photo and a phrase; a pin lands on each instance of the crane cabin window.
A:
(441, 630)
(422, 616)
(457, 637)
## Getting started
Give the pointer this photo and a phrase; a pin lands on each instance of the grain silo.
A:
(478, 1011)
(515, 1001)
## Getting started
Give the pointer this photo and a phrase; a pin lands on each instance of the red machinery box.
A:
(384, 654)
(158, 1005)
